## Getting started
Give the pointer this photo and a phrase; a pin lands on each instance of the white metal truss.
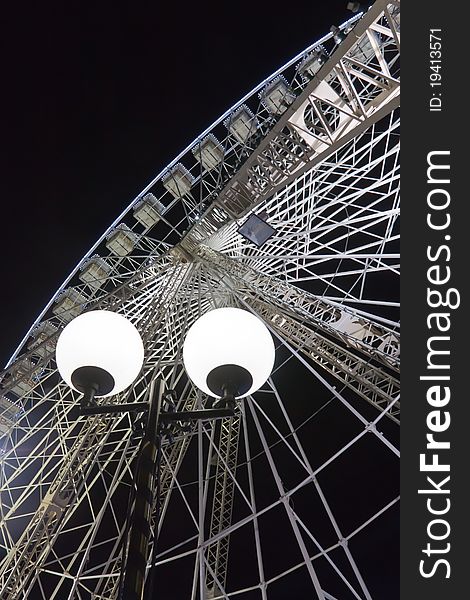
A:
(222, 504)
(318, 161)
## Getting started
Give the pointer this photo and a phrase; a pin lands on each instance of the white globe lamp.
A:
(99, 353)
(228, 353)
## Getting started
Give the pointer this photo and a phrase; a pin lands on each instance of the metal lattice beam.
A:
(221, 514)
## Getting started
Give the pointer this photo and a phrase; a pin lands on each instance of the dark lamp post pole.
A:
(147, 482)
(137, 554)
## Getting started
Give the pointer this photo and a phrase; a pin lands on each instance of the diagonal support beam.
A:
(221, 514)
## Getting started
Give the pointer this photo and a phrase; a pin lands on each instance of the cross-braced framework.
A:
(298, 492)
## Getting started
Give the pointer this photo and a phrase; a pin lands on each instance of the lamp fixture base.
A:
(229, 382)
(88, 378)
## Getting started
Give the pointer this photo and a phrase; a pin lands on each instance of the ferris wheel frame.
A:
(324, 172)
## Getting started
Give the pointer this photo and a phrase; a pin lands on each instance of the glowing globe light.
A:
(228, 352)
(99, 352)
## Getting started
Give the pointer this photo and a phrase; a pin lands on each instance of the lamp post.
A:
(228, 353)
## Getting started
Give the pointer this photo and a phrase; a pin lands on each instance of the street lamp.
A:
(99, 354)
(228, 353)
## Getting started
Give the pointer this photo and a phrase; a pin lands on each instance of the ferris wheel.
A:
(286, 207)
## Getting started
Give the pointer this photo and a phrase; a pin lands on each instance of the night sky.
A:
(98, 97)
